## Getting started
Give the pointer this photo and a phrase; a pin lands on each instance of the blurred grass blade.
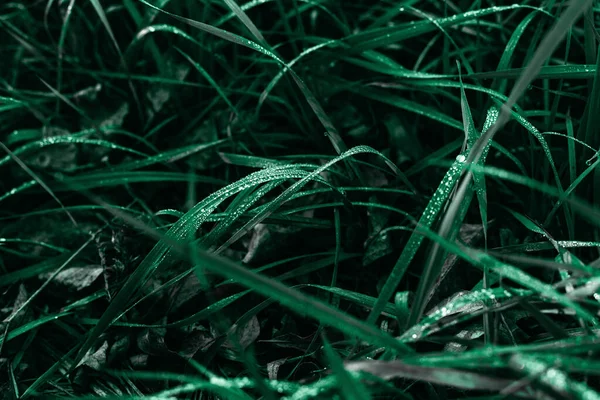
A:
(552, 377)
(441, 376)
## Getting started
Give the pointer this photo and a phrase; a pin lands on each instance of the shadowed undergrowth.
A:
(299, 199)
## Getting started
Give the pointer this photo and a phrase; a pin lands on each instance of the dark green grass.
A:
(299, 199)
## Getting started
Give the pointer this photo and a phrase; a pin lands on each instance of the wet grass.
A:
(299, 199)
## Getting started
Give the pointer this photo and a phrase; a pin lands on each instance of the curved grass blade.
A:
(464, 303)
(588, 130)
(510, 48)
(381, 37)
(286, 195)
(236, 210)
(564, 196)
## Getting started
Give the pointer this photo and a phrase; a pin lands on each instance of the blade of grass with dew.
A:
(547, 72)
(167, 156)
(242, 160)
(428, 217)
(465, 303)
(32, 325)
(496, 357)
(159, 60)
(432, 269)
(381, 37)
(570, 363)
(282, 198)
(439, 83)
(510, 48)
(360, 299)
(269, 88)
(39, 144)
(190, 384)
(531, 225)
(241, 15)
(571, 151)
(235, 211)
(310, 5)
(186, 225)
(447, 40)
(545, 147)
(580, 206)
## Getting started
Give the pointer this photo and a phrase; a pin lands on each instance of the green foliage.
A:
(299, 199)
